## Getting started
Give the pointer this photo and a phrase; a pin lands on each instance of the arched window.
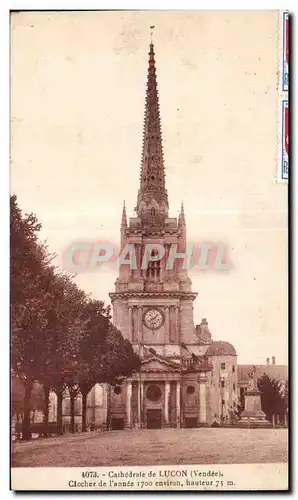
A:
(153, 269)
(152, 211)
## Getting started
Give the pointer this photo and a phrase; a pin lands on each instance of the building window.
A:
(233, 368)
(117, 390)
(222, 383)
(152, 211)
(153, 268)
(223, 366)
(223, 402)
(190, 389)
(234, 387)
(154, 393)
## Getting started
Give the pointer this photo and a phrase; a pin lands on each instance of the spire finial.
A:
(151, 33)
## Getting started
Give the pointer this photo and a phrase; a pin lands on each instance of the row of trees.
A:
(60, 336)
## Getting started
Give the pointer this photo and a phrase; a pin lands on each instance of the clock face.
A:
(153, 319)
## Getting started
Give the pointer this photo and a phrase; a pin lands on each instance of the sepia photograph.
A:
(149, 171)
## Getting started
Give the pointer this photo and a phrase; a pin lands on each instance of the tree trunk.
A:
(59, 411)
(84, 411)
(109, 419)
(72, 412)
(46, 411)
(26, 432)
(16, 425)
(32, 415)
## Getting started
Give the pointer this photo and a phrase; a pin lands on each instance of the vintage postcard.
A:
(149, 243)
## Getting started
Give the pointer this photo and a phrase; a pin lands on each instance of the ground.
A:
(154, 447)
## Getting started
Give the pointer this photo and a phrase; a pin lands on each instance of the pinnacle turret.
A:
(124, 218)
(181, 220)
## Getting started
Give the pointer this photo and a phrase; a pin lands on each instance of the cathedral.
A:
(187, 379)
(153, 308)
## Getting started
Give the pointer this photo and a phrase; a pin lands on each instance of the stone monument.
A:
(253, 416)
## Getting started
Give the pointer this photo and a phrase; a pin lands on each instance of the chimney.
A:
(273, 360)
(268, 361)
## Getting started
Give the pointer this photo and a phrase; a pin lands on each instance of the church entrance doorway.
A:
(154, 419)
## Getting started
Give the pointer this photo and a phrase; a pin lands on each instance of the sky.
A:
(77, 101)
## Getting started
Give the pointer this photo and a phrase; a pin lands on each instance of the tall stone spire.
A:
(152, 201)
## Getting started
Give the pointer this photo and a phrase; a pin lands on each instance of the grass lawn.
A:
(155, 447)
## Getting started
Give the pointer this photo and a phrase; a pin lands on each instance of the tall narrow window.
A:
(153, 269)
(152, 211)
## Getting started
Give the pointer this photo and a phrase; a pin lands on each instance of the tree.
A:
(105, 355)
(17, 399)
(65, 331)
(29, 269)
(59, 336)
(91, 349)
(46, 315)
(272, 399)
(240, 405)
(119, 359)
(37, 400)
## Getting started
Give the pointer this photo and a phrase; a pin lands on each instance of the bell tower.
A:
(153, 300)
(153, 305)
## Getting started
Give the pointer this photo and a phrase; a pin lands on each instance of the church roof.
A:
(221, 348)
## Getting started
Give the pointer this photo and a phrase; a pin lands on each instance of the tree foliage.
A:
(240, 405)
(60, 337)
(272, 397)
